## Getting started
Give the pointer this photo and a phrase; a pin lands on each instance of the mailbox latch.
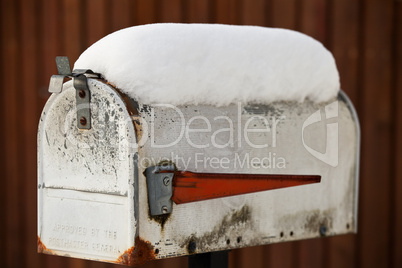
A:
(83, 95)
(160, 189)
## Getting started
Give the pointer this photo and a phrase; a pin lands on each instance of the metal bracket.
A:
(160, 189)
(80, 82)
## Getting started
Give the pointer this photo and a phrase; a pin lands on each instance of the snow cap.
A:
(213, 64)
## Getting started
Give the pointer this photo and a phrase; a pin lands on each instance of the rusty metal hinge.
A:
(80, 82)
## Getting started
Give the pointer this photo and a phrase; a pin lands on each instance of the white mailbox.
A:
(127, 178)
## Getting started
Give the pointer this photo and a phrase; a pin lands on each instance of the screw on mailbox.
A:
(166, 181)
(164, 209)
(82, 94)
(83, 121)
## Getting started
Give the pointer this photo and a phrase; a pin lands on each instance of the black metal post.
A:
(218, 259)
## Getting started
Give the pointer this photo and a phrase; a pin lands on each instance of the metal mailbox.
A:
(128, 182)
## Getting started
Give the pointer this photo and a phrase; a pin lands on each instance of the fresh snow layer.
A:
(213, 64)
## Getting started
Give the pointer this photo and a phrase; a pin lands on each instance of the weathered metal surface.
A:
(63, 65)
(56, 83)
(281, 138)
(95, 179)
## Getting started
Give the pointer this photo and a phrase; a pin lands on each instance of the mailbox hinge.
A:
(160, 189)
(80, 82)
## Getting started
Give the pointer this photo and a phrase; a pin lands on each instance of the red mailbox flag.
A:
(190, 186)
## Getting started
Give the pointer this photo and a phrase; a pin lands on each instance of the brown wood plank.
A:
(51, 261)
(97, 20)
(74, 33)
(234, 259)
(3, 226)
(198, 11)
(345, 45)
(170, 11)
(255, 12)
(30, 117)
(311, 253)
(181, 262)
(342, 251)
(226, 11)
(374, 234)
(50, 43)
(12, 175)
(3, 198)
(314, 19)
(77, 263)
(250, 257)
(285, 13)
(146, 12)
(121, 14)
(397, 141)
(282, 255)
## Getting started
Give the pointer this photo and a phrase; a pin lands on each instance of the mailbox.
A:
(127, 181)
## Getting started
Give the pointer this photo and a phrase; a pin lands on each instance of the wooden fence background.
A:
(365, 37)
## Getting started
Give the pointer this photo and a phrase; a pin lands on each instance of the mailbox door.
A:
(87, 178)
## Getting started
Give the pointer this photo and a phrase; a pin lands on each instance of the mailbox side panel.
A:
(282, 138)
(86, 178)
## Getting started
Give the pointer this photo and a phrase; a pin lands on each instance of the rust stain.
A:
(42, 248)
(138, 127)
(109, 83)
(141, 253)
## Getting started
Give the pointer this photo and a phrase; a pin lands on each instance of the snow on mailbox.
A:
(177, 139)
